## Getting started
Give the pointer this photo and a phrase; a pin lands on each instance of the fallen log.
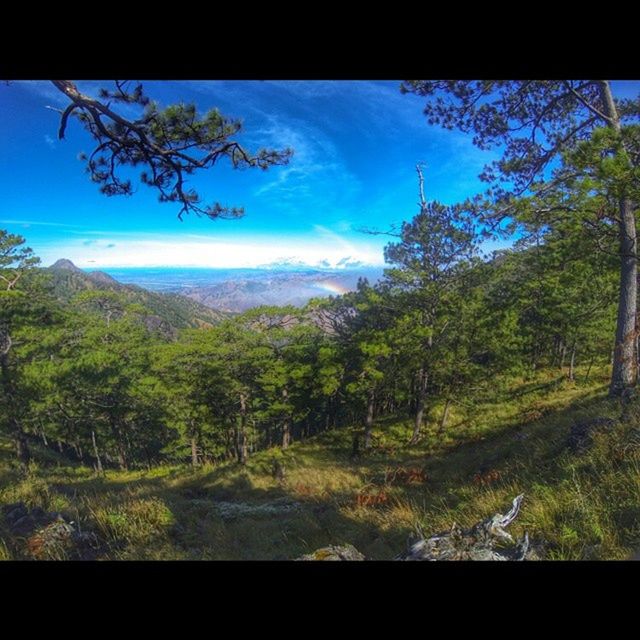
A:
(483, 541)
(476, 543)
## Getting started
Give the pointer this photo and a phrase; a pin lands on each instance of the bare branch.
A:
(587, 104)
(423, 202)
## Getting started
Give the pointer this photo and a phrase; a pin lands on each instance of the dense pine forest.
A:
(92, 376)
(457, 361)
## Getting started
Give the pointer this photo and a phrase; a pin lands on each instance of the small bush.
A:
(134, 521)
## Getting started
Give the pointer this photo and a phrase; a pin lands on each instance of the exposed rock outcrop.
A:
(334, 553)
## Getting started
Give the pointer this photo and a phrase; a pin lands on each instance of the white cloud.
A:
(311, 250)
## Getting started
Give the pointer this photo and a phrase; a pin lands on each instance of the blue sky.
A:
(356, 144)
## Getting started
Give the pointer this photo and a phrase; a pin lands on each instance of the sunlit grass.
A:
(502, 441)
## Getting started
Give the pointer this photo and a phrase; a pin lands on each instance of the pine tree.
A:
(535, 122)
(17, 306)
(429, 261)
(171, 144)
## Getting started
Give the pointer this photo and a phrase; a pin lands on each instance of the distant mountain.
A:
(63, 263)
(277, 288)
(103, 278)
(174, 309)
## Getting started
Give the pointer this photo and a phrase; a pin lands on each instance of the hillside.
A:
(177, 310)
(578, 504)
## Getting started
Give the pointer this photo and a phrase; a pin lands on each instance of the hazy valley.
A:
(237, 290)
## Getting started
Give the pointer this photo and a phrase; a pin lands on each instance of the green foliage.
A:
(95, 381)
(171, 311)
(575, 507)
(492, 351)
(533, 122)
(170, 143)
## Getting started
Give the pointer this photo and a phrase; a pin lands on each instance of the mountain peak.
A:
(104, 278)
(63, 263)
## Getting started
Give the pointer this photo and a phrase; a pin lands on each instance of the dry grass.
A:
(497, 445)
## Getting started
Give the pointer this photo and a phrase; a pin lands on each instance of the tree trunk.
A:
(122, 455)
(20, 441)
(555, 351)
(589, 368)
(445, 415)
(96, 453)
(241, 435)
(572, 362)
(624, 370)
(286, 425)
(122, 459)
(423, 378)
(286, 433)
(194, 451)
(355, 447)
(563, 353)
(368, 423)
(43, 435)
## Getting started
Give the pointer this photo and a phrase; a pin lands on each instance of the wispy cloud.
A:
(45, 90)
(39, 223)
(50, 142)
(317, 178)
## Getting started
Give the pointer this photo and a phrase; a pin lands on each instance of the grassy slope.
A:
(179, 311)
(581, 506)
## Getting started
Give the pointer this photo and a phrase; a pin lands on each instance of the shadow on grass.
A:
(523, 454)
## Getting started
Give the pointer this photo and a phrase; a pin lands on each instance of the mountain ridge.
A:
(178, 311)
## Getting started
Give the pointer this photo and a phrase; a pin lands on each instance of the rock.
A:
(581, 434)
(23, 526)
(334, 553)
(233, 510)
(22, 521)
(13, 512)
(48, 535)
(61, 540)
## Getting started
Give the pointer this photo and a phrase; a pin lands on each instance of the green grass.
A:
(507, 441)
